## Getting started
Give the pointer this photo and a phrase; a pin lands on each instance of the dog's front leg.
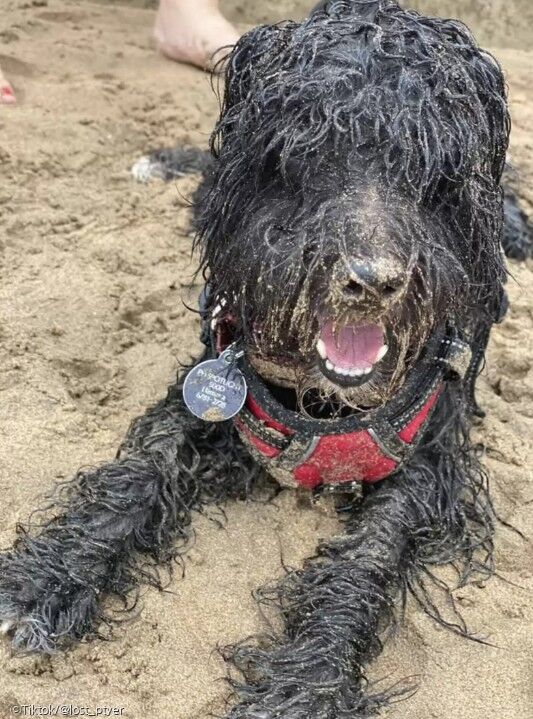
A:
(333, 610)
(170, 464)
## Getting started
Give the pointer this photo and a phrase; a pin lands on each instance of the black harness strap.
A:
(259, 429)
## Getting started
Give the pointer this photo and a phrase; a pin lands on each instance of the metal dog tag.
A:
(215, 390)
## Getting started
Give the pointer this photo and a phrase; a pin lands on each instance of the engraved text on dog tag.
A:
(215, 390)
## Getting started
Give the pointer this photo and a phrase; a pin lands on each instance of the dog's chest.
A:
(309, 460)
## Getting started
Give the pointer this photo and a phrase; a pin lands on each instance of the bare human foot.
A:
(7, 96)
(193, 31)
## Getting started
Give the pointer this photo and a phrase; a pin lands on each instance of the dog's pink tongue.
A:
(352, 346)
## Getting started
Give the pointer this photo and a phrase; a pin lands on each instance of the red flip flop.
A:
(7, 96)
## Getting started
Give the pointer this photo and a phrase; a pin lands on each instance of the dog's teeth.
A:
(217, 309)
(321, 349)
(382, 352)
(213, 324)
(342, 371)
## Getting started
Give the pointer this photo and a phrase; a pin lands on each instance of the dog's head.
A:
(356, 201)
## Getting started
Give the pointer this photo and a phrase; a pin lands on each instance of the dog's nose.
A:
(375, 281)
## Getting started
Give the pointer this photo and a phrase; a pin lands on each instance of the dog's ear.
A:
(256, 54)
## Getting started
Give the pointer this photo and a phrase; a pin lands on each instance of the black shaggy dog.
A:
(350, 231)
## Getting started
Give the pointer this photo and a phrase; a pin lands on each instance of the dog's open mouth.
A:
(348, 354)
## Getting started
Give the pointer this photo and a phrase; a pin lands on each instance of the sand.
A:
(92, 324)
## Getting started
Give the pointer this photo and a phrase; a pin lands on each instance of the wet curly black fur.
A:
(363, 112)
(112, 524)
(361, 97)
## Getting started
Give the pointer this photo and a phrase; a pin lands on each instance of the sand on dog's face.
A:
(92, 324)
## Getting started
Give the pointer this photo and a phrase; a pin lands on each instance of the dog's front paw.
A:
(20, 631)
(299, 703)
(295, 684)
(41, 608)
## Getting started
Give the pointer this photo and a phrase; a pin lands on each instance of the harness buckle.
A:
(455, 357)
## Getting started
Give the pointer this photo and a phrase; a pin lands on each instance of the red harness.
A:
(361, 455)
(300, 451)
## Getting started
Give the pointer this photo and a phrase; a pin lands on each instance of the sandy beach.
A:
(95, 277)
